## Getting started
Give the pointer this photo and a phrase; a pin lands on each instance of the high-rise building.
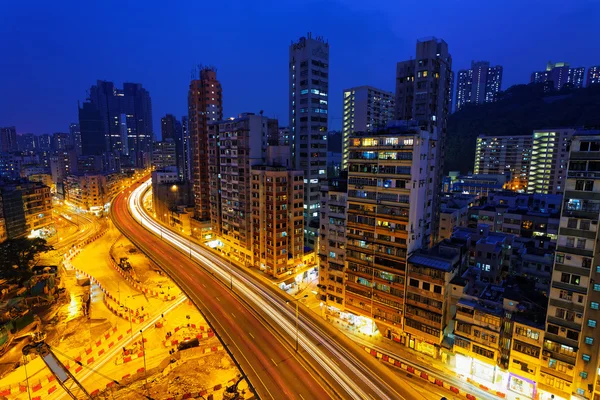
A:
(8, 139)
(571, 342)
(187, 151)
(164, 154)
(390, 206)
(28, 142)
(45, 141)
(61, 141)
(332, 246)
(26, 207)
(504, 155)
(171, 128)
(308, 105)
(366, 109)
(75, 133)
(126, 116)
(277, 218)
(559, 74)
(93, 140)
(593, 75)
(549, 156)
(234, 147)
(205, 105)
(479, 84)
(423, 93)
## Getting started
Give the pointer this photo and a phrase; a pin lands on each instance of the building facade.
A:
(234, 147)
(164, 154)
(8, 139)
(390, 200)
(92, 192)
(593, 75)
(205, 105)
(560, 74)
(26, 207)
(479, 84)
(549, 156)
(332, 241)
(308, 106)
(366, 109)
(504, 155)
(277, 219)
(571, 346)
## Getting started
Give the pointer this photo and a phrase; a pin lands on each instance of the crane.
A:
(58, 369)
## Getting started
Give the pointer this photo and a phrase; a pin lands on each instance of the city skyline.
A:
(168, 81)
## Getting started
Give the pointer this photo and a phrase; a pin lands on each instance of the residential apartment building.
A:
(479, 84)
(234, 147)
(559, 74)
(75, 137)
(332, 240)
(164, 154)
(171, 129)
(593, 75)
(277, 219)
(308, 106)
(205, 105)
(504, 155)
(366, 109)
(571, 346)
(423, 93)
(8, 139)
(390, 200)
(427, 310)
(26, 208)
(186, 175)
(92, 192)
(549, 156)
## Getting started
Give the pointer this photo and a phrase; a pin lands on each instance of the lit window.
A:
(582, 374)
(586, 357)
(589, 340)
(591, 323)
(594, 305)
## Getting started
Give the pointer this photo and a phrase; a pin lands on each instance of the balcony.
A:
(575, 250)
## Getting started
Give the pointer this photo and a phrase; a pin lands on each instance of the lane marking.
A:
(233, 315)
(251, 335)
(274, 362)
(300, 394)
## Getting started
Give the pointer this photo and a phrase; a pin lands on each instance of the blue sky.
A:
(51, 52)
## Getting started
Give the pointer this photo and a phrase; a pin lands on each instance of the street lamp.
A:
(297, 316)
(144, 353)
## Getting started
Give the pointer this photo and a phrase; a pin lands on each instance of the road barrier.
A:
(425, 376)
(138, 286)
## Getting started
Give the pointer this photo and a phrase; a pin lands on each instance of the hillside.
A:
(518, 111)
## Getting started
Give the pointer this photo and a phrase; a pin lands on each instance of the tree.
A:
(17, 255)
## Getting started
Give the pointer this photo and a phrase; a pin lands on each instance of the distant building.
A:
(61, 141)
(308, 116)
(479, 84)
(593, 75)
(548, 166)
(560, 74)
(164, 154)
(45, 141)
(28, 142)
(75, 133)
(93, 140)
(186, 172)
(8, 139)
(504, 155)
(26, 207)
(366, 109)
(205, 105)
(172, 130)
(92, 192)
(475, 184)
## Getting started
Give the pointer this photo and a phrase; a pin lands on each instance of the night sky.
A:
(51, 52)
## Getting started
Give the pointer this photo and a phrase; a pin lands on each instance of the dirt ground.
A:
(144, 270)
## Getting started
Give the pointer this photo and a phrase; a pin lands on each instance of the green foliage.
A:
(17, 255)
(519, 111)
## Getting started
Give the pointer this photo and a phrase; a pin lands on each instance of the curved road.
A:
(272, 367)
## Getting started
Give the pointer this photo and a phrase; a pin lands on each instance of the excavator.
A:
(232, 393)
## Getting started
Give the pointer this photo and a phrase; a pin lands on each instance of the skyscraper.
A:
(75, 133)
(366, 109)
(559, 74)
(308, 105)
(8, 139)
(423, 88)
(171, 129)
(593, 75)
(477, 85)
(549, 156)
(126, 118)
(504, 155)
(205, 105)
(168, 125)
(91, 123)
(571, 342)
(187, 151)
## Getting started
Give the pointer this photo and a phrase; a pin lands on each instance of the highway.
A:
(328, 360)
